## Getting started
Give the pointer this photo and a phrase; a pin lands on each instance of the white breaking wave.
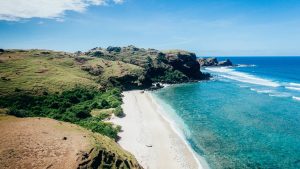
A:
(244, 65)
(293, 88)
(294, 84)
(262, 91)
(280, 94)
(296, 98)
(274, 91)
(243, 77)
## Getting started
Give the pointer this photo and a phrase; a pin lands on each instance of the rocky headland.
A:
(173, 66)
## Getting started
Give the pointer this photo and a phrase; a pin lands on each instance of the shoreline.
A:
(202, 164)
(152, 137)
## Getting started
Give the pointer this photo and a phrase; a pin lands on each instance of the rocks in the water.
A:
(227, 62)
(156, 86)
(206, 62)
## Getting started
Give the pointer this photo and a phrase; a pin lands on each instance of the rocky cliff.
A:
(184, 62)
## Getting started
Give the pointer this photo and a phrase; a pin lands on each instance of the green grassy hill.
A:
(36, 71)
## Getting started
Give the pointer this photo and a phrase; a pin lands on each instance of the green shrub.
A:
(104, 104)
(104, 128)
(17, 112)
(103, 116)
(119, 112)
(161, 59)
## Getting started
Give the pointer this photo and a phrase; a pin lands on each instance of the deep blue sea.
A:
(246, 117)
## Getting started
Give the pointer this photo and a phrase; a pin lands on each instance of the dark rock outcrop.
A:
(184, 62)
(227, 62)
(206, 62)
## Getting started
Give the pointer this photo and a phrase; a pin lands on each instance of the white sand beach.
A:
(150, 138)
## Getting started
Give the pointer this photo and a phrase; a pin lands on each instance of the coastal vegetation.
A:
(71, 106)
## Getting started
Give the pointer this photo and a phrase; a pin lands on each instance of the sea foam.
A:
(244, 65)
(296, 98)
(294, 84)
(265, 86)
(262, 91)
(243, 77)
(293, 88)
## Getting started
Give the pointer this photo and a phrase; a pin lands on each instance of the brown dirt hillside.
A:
(46, 143)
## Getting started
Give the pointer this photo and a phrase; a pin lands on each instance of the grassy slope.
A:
(37, 71)
(113, 68)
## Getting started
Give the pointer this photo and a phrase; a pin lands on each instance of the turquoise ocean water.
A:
(246, 117)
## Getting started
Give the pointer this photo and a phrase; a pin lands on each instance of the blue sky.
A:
(207, 27)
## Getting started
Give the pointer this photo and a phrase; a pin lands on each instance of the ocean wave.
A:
(262, 91)
(258, 84)
(296, 98)
(294, 84)
(293, 88)
(280, 94)
(243, 77)
(244, 86)
(245, 65)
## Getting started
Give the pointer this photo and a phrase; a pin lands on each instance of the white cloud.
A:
(118, 1)
(14, 10)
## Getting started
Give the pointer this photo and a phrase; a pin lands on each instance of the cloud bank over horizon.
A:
(16, 10)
